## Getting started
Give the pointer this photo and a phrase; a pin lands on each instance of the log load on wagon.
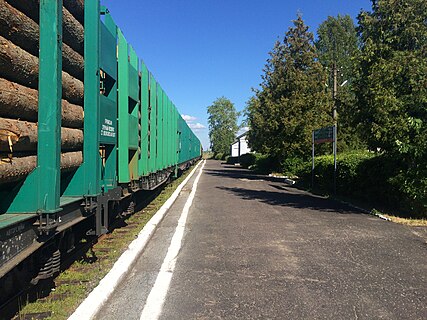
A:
(85, 130)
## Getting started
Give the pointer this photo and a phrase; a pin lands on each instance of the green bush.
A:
(247, 160)
(219, 156)
(232, 160)
(376, 179)
(290, 166)
(265, 164)
(416, 189)
(412, 185)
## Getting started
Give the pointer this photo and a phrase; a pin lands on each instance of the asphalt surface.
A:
(255, 248)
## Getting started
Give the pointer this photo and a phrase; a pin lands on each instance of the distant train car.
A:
(84, 127)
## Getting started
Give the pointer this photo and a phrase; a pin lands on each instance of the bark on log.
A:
(72, 32)
(25, 136)
(19, 168)
(24, 32)
(29, 8)
(19, 102)
(19, 66)
(72, 29)
(76, 8)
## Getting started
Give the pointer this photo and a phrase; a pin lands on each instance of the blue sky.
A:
(200, 50)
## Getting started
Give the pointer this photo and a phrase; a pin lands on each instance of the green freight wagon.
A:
(84, 128)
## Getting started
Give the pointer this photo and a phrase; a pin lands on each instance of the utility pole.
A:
(335, 117)
(334, 93)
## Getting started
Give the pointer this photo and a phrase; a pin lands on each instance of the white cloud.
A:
(242, 130)
(188, 118)
(196, 126)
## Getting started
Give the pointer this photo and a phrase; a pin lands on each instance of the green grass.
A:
(207, 155)
(74, 284)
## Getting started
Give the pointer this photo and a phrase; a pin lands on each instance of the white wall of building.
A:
(235, 149)
(244, 148)
(240, 145)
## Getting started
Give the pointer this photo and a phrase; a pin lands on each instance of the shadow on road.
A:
(231, 172)
(292, 200)
(285, 196)
(238, 173)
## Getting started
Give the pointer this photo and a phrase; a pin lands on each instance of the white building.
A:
(240, 146)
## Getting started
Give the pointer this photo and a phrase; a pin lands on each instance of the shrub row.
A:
(259, 163)
(220, 156)
(365, 176)
(376, 179)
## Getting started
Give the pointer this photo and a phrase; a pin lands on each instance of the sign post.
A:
(335, 159)
(322, 135)
(312, 162)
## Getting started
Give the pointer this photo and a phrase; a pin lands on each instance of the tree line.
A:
(374, 74)
(381, 76)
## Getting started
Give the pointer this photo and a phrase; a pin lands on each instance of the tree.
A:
(255, 120)
(292, 100)
(337, 46)
(222, 125)
(392, 86)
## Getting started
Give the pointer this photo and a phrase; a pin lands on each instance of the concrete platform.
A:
(255, 248)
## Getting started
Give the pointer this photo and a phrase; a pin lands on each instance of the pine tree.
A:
(255, 120)
(337, 46)
(292, 100)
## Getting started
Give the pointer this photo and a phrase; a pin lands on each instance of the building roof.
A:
(242, 135)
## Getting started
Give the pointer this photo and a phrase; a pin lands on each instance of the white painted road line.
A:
(92, 304)
(156, 298)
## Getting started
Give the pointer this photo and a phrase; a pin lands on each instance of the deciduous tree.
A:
(222, 125)
(392, 86)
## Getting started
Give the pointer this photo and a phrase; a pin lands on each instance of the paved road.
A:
(257, 249)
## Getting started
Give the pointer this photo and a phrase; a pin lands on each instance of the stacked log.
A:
(73, 33)
(26, 134)
(76, 8)
(19, 71)
(20, 102)
(13, 170)
(24, 32)
(19, 66)
(71, 28)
